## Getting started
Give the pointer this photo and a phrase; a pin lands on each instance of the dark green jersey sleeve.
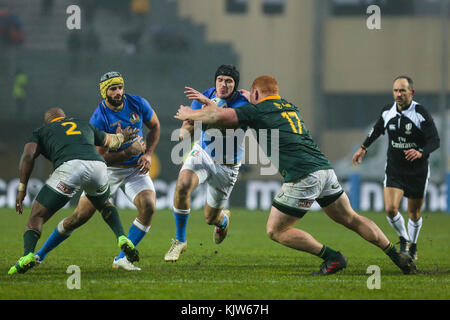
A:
(99, 136)
(34, 136)
(247, 114)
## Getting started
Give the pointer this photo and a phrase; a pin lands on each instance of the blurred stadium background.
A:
(326, 59)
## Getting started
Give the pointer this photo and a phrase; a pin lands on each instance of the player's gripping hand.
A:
(145, 162)
(137, 147)
(245, 93)
(128, 133)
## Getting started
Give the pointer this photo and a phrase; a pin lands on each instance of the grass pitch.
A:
(246, 266)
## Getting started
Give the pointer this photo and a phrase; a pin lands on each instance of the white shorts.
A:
(88, 175)
(130, 180)
(296, 198)
(220, 178)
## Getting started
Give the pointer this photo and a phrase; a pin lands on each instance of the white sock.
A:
(414, 229)
(140, 226)
(398, 223)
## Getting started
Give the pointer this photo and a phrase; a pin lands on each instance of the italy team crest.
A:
(134, 117)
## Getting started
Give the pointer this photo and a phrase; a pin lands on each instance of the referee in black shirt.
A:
(412, 137)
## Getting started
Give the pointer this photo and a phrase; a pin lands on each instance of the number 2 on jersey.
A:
(291, 117)
(72, 128)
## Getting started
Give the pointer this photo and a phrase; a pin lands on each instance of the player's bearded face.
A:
(114, 95)
(224, 86)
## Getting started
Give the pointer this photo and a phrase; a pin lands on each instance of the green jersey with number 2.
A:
(68, 139)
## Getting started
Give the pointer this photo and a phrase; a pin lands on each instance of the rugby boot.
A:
(404, 262)
(332, 265)
(24, 264)
(128, 248)
(176, 249)
(123, 263)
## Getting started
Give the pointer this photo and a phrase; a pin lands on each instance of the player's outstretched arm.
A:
(185, 113)
(210, 112)
(26, 165)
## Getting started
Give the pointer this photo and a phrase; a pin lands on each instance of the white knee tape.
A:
(61, 229)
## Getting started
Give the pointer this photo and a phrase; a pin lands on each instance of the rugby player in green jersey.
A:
(308, 175)
(70, 144)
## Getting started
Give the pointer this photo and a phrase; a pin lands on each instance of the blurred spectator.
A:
(19, 92)
(140, 7)
(92, 41)
(169, 38)
(11, 28)
(46, 7)
(140, 10)
(74, 48)
(89, 10)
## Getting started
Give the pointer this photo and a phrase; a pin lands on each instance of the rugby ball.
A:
(222, 103)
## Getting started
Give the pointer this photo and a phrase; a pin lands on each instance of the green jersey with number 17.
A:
(67, 139)
(298, 154)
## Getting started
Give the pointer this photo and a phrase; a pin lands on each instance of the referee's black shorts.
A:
(414, 186)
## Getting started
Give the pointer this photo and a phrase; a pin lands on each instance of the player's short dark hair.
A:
(409, 79)
(228, 70)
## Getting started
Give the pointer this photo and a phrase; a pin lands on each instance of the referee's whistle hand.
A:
(358, 156)
(412, 154)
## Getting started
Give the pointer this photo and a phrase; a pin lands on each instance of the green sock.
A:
(390, 250)
(326, 253)
(30, 239)
(111, 217)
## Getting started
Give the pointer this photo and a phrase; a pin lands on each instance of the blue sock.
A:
(181, 218)
(136, 233)
(52, 242)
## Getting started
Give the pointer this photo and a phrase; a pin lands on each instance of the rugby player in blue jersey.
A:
(128, 167)
(205, 163)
